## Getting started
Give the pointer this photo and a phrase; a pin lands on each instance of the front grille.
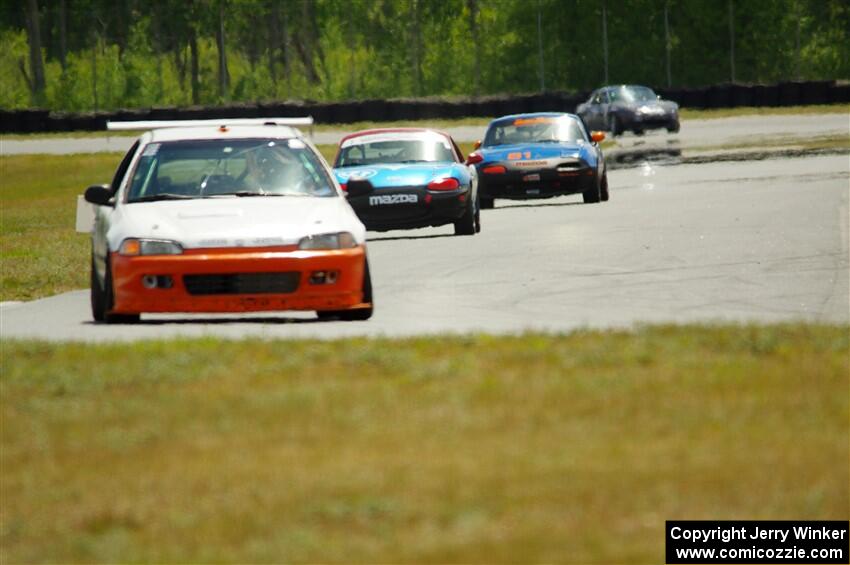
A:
(241, 283)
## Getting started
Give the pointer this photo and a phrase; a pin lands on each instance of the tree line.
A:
(106, 54)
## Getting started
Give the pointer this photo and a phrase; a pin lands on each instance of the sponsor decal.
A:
(531, 164)
(391, 199)
(359, 173)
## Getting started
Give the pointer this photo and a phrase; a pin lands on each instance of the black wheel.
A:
(487, 203)
(604, 187)
(109, 302)
(614, 126)
(359, 314)
(477, 215)
(673, 128)
(638, 132)
(98, 296)
(594, 193)
(466, 224)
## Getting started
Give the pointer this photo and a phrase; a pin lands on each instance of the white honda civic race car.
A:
(226, 218)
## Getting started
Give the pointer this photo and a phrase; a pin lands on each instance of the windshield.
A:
(228, 167)
(535, 130)
(633, 94)
(394, 148)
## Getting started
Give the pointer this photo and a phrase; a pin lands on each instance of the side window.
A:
(122, 168)
(583, 130)
(458, 153)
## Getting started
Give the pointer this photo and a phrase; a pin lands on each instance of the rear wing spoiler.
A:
(156, 124)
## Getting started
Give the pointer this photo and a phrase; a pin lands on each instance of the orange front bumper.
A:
(132, 296)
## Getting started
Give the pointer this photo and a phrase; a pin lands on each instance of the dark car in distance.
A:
(628, 108)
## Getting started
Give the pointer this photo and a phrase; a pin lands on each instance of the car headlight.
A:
(340, 240)
(133, 246)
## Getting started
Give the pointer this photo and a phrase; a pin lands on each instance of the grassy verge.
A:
(696, 114)
(686, 114)
(810, 143)
(479, 449)
(40, 254)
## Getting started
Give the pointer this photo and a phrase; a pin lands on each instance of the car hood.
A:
(235, 222)
(398, 174)
(533, 151)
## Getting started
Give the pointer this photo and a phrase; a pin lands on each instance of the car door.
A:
(103, 214)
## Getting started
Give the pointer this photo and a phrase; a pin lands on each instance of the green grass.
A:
(40, 253)
(695, 114)
(572, 448)
(809, 144)
(67, 134)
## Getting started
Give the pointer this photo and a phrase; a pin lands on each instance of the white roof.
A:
(230, 132)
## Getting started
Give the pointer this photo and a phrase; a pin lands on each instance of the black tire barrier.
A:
(815, 92)
(740, 95)
(789, 94)
(35, 120)
(840, 94)
(765, 96)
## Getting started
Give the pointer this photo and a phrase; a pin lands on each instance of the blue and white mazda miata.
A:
(539, 156)
(408, 178)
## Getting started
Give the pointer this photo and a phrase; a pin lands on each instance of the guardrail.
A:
(715, 96)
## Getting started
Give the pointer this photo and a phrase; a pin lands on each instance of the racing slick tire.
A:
(487, 203)
(673, 128)
(466, 224)
(604, 187)
(109, 301)
(359, 314)
(638, 132)
(593, 194)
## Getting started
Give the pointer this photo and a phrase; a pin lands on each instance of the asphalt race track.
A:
(727, 241)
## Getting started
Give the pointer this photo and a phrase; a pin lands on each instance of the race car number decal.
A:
(384, 199)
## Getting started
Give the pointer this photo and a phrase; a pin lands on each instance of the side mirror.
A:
(474, 158)
(597, 136)
(358, 187)
(99, 194)
(476, 145)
